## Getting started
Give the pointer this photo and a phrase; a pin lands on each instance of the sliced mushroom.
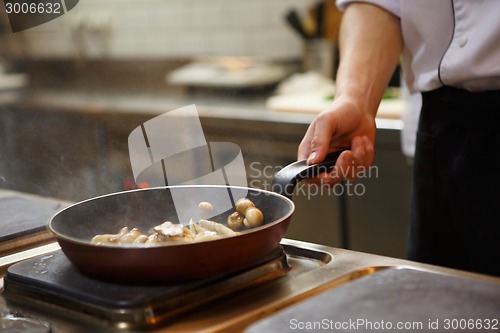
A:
(129, 237)
(207, 236)
(141, 239)
(217, 227)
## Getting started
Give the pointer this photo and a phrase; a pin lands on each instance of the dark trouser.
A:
(455, 218)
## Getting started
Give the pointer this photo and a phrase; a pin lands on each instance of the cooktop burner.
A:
(52, 279)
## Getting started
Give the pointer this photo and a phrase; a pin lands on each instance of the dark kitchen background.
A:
(72, 90)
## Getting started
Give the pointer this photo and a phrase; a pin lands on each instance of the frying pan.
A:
(75, 226)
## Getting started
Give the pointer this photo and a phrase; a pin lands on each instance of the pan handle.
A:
(287, 178)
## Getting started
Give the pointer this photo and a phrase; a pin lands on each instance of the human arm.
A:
(370, 46)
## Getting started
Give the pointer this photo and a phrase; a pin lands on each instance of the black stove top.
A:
(52, 279)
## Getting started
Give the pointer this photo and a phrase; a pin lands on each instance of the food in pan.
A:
(168, 233)
(205, 210)
(246, 215)
(235, 221)
(243, 204)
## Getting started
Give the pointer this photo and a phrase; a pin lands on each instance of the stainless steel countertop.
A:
(238, 311)
(215, 105)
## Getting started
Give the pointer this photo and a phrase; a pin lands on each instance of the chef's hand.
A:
(343, 125)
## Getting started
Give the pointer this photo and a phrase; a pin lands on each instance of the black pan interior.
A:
(145, 209)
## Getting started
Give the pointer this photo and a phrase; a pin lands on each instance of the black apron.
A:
(455, 212)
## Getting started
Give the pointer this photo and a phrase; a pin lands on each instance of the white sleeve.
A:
(392, 6)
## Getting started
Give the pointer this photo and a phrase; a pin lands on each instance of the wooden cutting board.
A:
(312, 103)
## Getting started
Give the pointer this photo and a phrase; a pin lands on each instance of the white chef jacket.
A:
(447, 42)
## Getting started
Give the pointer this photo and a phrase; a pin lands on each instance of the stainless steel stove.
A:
(48, 288)
(51, 280)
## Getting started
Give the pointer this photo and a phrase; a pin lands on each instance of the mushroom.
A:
(243, 204)
(206, 210)
(141, 239)
(220, 229)
(129, 237)
(253, 217)
(235, 221)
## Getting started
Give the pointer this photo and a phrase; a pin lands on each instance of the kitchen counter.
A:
(279, 298)
(230, 105)
(23, 220)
